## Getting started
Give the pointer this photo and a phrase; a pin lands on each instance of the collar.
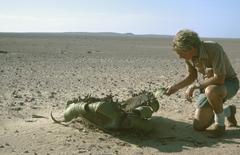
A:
(202, 53)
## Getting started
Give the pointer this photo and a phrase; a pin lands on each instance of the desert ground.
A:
(39, 73)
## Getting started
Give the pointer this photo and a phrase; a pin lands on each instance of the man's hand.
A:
(189, 92)
(171, 90)
(208, 73)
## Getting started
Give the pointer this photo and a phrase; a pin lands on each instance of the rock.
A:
(52, 95)
(16, 108)
(7, 144)
(178, 111)
(3, 52)
(29, 99)
(101, 139)
(16, 95)
(21, 103)
(34, 107)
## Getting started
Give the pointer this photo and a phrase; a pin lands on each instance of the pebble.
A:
(7, 144)
(52, 95)
(16, 108)
(82, 151)
(3, 52)
(101, 139)
(21, 103)
(29, 99)
(17, 96)
(178, 111)
(84, 131)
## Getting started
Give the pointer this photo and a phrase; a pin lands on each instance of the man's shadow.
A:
(174, 136)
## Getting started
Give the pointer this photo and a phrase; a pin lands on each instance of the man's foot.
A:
(231, 119)
(217, 132)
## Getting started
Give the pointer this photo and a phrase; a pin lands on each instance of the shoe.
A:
(217, 132)
(232, 119)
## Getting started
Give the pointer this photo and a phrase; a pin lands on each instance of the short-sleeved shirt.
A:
(211, 55)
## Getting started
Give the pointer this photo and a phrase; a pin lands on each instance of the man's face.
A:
(187, 55)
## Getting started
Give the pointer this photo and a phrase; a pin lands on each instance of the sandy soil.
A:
(39, 73)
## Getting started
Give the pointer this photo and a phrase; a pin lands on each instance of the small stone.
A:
(101, 139)
(29, 99)
(21, 103)
(26, 151)
(7, 144)
(34, 107)
(178, 111)
(3, 52)
(82, 151)
(16, 108)
(84, 131)
(17, 96)
(52, 95)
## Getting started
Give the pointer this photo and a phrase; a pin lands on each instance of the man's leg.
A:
(232, 86)
(229, 112)
(204, 117)
(215, 95)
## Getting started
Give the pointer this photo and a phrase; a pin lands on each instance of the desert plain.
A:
(40, 72)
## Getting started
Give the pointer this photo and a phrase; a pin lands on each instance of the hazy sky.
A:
(210, 18)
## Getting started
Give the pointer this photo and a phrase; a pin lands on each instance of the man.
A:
(219, 82)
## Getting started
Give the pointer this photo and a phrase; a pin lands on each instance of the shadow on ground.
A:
(174, 136)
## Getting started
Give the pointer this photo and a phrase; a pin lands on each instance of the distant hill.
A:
(75, 34)
(118, 34)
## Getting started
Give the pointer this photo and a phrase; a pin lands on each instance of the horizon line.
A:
(105, 32)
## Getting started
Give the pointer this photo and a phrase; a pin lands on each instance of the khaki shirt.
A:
(211, 55)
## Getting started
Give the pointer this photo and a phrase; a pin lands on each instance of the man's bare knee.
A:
(214, 91)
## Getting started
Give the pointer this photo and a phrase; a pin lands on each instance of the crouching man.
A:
(219, 83)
